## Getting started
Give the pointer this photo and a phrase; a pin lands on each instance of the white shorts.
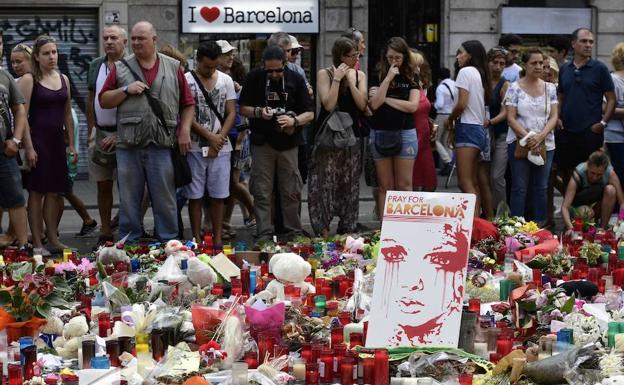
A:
(210, 175)
(99, 173)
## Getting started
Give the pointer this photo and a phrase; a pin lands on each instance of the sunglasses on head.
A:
(278, 70)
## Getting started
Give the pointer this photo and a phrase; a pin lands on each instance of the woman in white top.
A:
(614, 132)
(468, 134)
(446, 95)
(531, 107)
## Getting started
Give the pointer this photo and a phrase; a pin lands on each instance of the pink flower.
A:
(84, 266)
(65, 266)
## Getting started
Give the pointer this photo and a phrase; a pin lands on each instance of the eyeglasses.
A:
(278, 70)
(577, 75)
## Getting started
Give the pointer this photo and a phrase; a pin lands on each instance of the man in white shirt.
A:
(446, 96)
(513, 44)
(104, 122)
(209, 157)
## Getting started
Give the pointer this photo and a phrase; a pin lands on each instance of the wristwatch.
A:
(603, 123)
(125, 90)
(296, 123)
(17, 141)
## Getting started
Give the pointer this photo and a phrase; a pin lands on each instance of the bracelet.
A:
(296, 123)
(257, 112)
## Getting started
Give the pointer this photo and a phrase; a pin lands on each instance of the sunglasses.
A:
(279, 71)
(22, 48)
(43, 40)
(501, 50)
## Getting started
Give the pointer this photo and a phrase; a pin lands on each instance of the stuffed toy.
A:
(67, 345)
(200, 273)
(287, 268)
(111, 253)
(178, 250)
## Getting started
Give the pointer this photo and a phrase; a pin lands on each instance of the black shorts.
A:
(11, 191)
(588, 196)
(574, 148)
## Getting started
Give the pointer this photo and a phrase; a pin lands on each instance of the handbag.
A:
(181, 169)
(388, 143)
(522, 152)
(336, 130)
(100, 157)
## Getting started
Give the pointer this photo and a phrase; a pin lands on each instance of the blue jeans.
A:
(525, 175)
(616, 153)
(151, 165)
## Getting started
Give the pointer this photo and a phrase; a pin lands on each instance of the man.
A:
(11, 195)
(593, 182)
(104, 123)
(209, 156)
(285, 41)
(560, 46)
(295, 50)
(513, 44)
(583, 83)
(143, 144)
(278, 105)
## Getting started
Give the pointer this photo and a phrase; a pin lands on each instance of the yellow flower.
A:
(530, 227)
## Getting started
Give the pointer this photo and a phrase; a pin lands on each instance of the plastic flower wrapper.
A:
(262, 319)
(585, 330)
(135, 319)
(555, 369)
(611, 364)
(178, 364)
(442, 366)
(115, 296)
(273, 369)
(206, 321)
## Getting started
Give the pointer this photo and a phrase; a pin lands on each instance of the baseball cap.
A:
(294, 43)
(225, 46)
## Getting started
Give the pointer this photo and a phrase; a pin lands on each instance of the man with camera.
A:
(276, 101)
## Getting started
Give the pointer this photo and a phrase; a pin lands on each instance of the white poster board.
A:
(421, 269)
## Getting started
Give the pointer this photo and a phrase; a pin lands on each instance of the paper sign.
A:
(421, 269)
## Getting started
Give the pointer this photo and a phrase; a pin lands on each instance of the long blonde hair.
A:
(40, 42)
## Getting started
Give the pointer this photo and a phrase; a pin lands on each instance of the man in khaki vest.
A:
(143, 144)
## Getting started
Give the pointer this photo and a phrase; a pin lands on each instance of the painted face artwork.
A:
(421, 271)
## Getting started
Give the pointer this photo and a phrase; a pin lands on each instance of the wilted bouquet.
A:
(34, 296)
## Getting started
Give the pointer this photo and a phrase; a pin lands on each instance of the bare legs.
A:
(467, 167)
(44, 206)
(392, 174)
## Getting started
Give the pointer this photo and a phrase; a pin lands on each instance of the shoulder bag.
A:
(523, 152)
(181, 169)
(336, 131)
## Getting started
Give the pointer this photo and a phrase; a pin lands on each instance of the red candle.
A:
(217, 289)
(306, 352)
(504, 346)
(337, 335)
(312, 374)
(343, 286)
(104, 324)
(382, 367)
(465, 379)
(30, 358)
(346, 371)
(326, 365)
(339, 353)
(537, 277)
(15, 373)
(345, 317)
(327, 292)
(495, 357)
(288, 290)
(474, 305)
(265, 346)
(244, 276)
(355, 339)
(618, 277)
(316, 352)
(593, 274)
(237, 286)
(368, 364)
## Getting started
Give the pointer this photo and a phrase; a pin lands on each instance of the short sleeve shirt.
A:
(614, 133)
(469, 79)
(222, 92)
(533, 111)
(290, 94)
(583, 90)
(389, 118)
(10, 95)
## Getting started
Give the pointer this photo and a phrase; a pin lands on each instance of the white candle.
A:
(299, 370)
(481, 350)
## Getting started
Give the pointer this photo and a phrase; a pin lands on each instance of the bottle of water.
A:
(72, 166)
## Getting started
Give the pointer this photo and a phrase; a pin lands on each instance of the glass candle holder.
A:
(474, 305)
(239, 373)
(337, 335)
(312, 374)
(346, 371)
(14, 370)
(88, 352)
(112, 350)
(465, 379)
(382, 367)
(104, 324)
(355, 339)
(29, 355)
(368, 364)
(504, 346)
(265, 346)
(251, 359)
(306, 352)
(299, 369)
(326, 365)
(157, 345)
(101, 362)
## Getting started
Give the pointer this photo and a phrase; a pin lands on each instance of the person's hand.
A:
(597, 128)
(487, 123)
(108, 143)
(10, 148)
(32, 157)
(215, 141)
(372, 92)
(340, 71)
(237, 87)
(450, 140)
(286, 122)
(434, 132)
(310, 89)
(184, 142)
(72, 151)
(136, 88)
(392, 72)
(267, 113)
(535, 141)
(559, 125)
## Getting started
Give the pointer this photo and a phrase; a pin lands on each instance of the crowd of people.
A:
(514, 122)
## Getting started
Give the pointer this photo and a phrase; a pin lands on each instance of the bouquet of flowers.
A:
(509, 226)
(557, 264)
(591, 251)
(34, 296)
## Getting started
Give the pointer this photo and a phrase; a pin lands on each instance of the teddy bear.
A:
(67, 345)
(287, 268)
(178, 250)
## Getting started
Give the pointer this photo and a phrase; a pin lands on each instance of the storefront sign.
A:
(421, 269)
(250, 16)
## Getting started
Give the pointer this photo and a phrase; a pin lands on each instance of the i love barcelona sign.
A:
(250, 16)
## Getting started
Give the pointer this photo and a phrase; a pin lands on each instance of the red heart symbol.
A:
(210, 14)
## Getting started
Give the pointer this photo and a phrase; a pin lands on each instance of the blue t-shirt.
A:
(583, 89)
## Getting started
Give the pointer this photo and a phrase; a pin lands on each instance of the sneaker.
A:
(87, 228)
(250, 222)
(102, 239)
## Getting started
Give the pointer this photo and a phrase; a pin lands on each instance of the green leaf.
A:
(528, 306)
(5, 297)
(20, 270)
(44, 309)
(569, 305)
(57, 301)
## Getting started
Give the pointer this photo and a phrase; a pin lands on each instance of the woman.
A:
(446, 95)
(531, 107)
(393, 101)
(614, 132)
(49, 93)
(20, 60)
(358, 37)
(468, 134)
(497, 123)
(334, 185)
(424, 175)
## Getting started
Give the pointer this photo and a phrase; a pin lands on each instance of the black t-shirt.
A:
(289, 93)
(389, 118)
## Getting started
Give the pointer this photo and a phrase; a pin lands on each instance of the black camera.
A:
(278, 112)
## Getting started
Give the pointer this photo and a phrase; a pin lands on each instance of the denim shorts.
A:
(11, 192)
(409, 148)
(471, 135)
